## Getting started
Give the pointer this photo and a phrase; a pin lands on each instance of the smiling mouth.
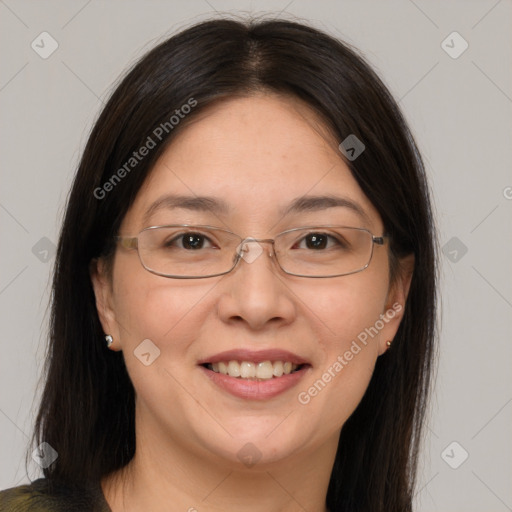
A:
(248, 370)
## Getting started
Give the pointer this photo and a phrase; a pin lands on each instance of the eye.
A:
(189, 241)
(318, 241)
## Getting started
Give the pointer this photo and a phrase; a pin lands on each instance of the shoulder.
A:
(39, 497)
(23, 497)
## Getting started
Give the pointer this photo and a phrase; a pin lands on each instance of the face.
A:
(257, 155)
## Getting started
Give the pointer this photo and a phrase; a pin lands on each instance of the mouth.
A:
(255, 375)
(251, 370)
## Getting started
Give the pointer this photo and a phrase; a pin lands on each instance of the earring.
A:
(109, 340)
(388, 343)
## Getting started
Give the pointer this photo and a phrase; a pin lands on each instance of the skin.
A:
(258, 153)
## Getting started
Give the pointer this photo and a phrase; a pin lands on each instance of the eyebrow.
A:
(317, 203)
(219, 206)
(194, 203)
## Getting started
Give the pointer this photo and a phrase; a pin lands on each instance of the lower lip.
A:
(254, 389)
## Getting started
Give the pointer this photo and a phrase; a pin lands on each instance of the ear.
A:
(103, 292)
(395, 301)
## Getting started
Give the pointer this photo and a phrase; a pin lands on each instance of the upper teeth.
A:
(250, 370)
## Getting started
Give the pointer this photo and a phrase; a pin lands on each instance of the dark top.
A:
(36, 497)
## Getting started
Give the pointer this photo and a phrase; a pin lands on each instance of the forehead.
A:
(257, 154)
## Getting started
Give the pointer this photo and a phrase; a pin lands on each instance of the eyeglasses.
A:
(183, 251)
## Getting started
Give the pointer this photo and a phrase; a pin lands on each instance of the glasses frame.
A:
(132, 242)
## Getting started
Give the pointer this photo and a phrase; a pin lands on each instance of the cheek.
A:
(345, 308)
(168, 314)
(158, 309)
(349, 338)
(344, 318)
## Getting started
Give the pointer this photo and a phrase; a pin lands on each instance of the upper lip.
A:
(254, 356)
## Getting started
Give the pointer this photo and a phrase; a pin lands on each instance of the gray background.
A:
(459, 109)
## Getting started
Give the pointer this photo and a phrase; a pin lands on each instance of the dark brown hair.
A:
(87, 409)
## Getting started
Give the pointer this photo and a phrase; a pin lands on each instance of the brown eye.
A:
(316, 241)
(189, 241)
(193, 241)
(319, 241)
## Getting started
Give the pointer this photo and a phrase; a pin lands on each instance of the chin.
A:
(254, 442)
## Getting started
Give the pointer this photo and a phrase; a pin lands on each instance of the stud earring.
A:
(109, 340)
(388, 343)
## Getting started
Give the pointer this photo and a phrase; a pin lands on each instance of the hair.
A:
(87, 409)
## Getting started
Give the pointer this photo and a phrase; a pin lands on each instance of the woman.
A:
(243, 310)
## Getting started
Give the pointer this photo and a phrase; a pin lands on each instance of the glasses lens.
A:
(187, 251)
(324, 251)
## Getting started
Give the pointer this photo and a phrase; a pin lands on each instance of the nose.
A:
(255, 292)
